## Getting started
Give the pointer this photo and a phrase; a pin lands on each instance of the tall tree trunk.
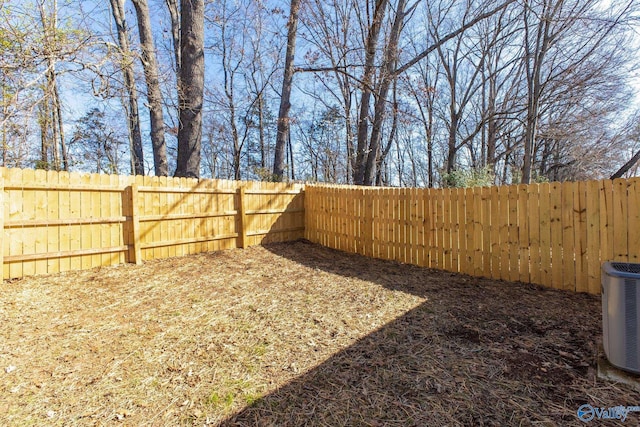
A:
(190, 88)
(285, 98)
(534, 61)
(388, 66)
(133, 115)
(49, 23)
(452, 147)
(367, 83)
(154, 95)
(392, 137)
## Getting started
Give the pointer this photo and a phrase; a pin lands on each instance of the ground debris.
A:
(296, 334)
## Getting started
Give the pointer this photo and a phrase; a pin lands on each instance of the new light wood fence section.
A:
(56, 221)
(552, 234)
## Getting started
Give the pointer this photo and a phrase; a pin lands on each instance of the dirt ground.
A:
(296, 334)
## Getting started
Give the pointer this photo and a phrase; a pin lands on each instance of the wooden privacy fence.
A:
(553, 234)
(56, 221)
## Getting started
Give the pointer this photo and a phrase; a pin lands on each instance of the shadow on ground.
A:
(476, 352)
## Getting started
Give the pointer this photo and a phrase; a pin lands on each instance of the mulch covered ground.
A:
(296, 334)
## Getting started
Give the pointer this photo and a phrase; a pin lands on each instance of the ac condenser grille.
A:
(626, 267)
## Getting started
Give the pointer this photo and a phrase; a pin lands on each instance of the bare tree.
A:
(126, 64)
(154, 94)
(190, 88)
(552, 29)
(51, 109)
(285, 95)
(371, 46)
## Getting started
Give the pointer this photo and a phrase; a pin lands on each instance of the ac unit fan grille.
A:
(626, 267)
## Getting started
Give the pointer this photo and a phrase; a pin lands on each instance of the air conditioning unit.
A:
(620, 314)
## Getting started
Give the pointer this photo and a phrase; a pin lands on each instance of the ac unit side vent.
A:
(631, 322)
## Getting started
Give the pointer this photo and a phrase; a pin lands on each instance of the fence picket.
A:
(580, 239)
(524, 257)
(568, 238)
(504, 233)
(593, 236)
(533, 217)
(620, 216)
(514, 259)
(478, 219)
(485, 200)
(494, 240)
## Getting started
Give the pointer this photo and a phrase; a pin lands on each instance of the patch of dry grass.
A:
(294, 334)
(177, 340)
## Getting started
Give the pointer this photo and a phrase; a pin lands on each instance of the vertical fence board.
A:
(448, 223)
(546, 277)
(367, 201)
(606, 220)
(452, 235)
(568, 238)
(461, 227)
(555, 201)
(242, 232)
(63, 212)
(425, 225)
(53, 232)
(485, 200)
(75, 231)
(135, 224)
(532, 215)
(6, 237)
(405, 242)
(505, 251)
(478, 218)
(163, 208)
(2, 231)
(494, 244)
(593, 236)
(28, 234)
(439, 209)
(620, 216)
(514, 247)
(418, 227)
(40, 198)
(469, 231)
(524, 260)
(580, 233)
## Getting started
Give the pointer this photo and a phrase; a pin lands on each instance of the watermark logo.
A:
(588, 413)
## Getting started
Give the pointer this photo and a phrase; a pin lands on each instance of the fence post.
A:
(242, 212)
(1, 226)
(135, 224)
